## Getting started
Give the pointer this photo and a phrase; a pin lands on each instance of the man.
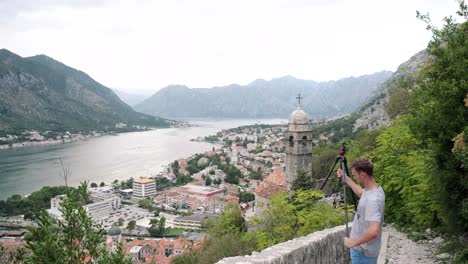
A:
(366, 232)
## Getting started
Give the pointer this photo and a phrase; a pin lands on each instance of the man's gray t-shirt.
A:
(370, 209)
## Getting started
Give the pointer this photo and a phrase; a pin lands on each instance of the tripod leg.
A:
(330, 172)
(352, 193)
(344, 193)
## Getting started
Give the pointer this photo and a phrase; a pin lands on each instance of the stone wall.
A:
(324, 246)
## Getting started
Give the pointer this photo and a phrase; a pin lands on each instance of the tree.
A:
(102, 184)
(278, 223)
(70, 240)
(290, 215)
(303, 182)
(157, 227)
(116, 257)
(438, 114)
(403, 167)
(190, 258)
(129, 183)
(145, 203)
(162, 183)
(182, 179)
(115, 185)
(208, 181)
(230, 222)
(245, 197)
(232, 174)
(31, 206)
(175, 165)
(120, 221)
(131, 225)
(255, 175)
(162, 225)
(224, 240)
(156, 212)
(323, 157)
(217, 181)
(94, 185)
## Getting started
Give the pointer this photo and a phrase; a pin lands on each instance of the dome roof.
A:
(299, 121)
(298, 116)
(114, 231)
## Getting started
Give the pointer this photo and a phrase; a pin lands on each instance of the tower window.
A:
(304, 141)
(291, 141)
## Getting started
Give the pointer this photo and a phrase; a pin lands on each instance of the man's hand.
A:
(371, 233)
(355, 187)
(339, 172)
(348, 243)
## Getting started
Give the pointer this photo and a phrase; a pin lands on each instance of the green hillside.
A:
(41, 93)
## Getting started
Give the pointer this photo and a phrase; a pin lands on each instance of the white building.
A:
(193, 222)
(103, 207)
(103, 204)
(143, 188)
(55, 202)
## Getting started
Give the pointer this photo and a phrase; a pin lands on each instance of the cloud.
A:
(149, 44)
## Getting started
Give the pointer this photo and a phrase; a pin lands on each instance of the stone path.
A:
(401, 249)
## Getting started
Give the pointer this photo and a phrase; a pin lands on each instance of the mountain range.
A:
(131, 99)
(263, 99)
(41, 93)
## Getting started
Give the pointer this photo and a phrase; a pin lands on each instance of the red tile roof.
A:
(268, 191)
(159, 247)
(272, 185)
(11, 246)
(232, 199)
(277, 177)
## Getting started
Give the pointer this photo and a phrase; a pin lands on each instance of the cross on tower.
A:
(299, 98)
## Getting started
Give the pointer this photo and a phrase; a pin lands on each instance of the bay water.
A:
(107, 158)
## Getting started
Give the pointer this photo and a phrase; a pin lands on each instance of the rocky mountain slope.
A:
(40, 93)
(263, 99)
(389, 99)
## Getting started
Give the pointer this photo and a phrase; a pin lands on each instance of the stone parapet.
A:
(324, 246)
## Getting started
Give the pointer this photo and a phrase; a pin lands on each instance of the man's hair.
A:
(363, 165)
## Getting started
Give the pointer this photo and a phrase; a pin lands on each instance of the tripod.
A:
(344, 168)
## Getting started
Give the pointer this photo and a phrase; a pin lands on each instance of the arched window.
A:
(291, 141)
(304, 141)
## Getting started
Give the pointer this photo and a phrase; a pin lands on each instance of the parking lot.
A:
(126, 212)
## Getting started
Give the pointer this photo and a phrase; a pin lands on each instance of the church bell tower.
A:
(298, 145)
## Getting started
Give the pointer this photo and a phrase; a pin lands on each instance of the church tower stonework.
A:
(298, 145)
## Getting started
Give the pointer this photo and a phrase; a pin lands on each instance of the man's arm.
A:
(371, 233)
(354, 186)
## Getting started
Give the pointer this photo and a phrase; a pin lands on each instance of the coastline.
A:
(48, 142)
(39, 140)
(126, 150)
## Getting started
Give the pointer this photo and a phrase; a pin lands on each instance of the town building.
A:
(143, 188)
(201, 191)
(157, 251)
(298, 145)
(103, 204)
(126, 193)
(271, 185)
(192, 222)
(56, 202)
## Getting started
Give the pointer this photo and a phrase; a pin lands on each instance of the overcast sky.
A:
(146, 45)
